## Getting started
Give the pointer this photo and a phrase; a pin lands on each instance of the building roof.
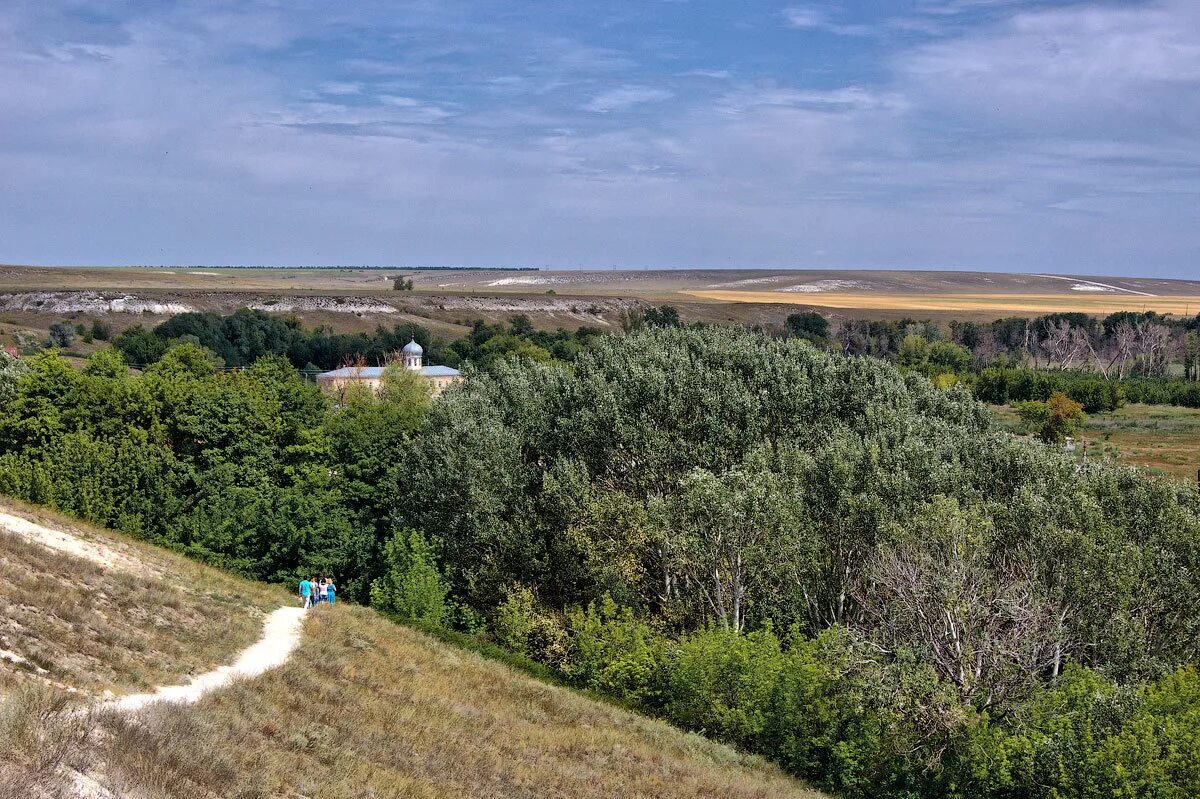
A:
(364, 372)
(412, 348)
(439, 371)
(376, 372)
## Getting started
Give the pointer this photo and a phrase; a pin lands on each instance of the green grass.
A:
(1163, 439)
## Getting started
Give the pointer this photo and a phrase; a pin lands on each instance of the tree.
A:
(1053, 420)
(981, 625)
(808, 324)
(726, 532)
(949, 357)
(914, 351)
(520, 325)
(402, 283)
(61, 335)
(412, 587)
(405, 387)
(662, 316)
(139, 346)
(11, 371)
(101, 331)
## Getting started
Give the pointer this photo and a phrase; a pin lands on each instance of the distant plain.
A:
(447, 299)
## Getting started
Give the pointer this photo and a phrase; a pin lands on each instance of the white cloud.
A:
(1125, 70)
(819, 18)
(340, 87)
(625, 97)
(806, 17)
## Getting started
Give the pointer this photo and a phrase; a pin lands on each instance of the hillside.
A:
(366, 708)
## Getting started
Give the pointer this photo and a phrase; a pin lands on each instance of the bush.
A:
(61, 335)
(1189, 397)
(1053, 420)
(612, 651)
(722, 682)
(411, 587)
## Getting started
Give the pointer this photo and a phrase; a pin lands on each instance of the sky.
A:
(949, 134)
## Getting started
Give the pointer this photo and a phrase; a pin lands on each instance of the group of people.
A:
(314, 590)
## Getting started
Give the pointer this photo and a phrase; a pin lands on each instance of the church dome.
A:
(412, 348)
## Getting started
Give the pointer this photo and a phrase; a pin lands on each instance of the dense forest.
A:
(830, 560)
(244, 336)
(1098, 362)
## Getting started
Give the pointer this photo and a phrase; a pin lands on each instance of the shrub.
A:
(411, 587)
(515, 619)
(1053, 420)
(610, 650)
(722, 682)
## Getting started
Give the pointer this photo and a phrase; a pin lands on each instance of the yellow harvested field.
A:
(1016, 303)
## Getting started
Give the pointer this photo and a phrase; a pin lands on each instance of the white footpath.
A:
(281, 632)
(281, 636)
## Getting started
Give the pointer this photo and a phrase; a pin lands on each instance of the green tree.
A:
(61, 335)
(139, 346)
(808, 324)
(1053, 420)
(411, 587)
(662, 316)
(405, 388)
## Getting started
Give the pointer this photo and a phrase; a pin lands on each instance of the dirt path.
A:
(281, 631)
(281, 636)
(71, 544)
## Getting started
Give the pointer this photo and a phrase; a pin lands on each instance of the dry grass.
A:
(371, 709)
(366, 708)
(998, 303)
(41, 743)
(72, 623)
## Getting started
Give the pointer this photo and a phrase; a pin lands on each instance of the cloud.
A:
(1125, 71)
(806, 17)
(340, 87)
(625, 97)
(1050, 137)
(819, 18)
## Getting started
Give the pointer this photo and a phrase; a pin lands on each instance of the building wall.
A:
(338, 384)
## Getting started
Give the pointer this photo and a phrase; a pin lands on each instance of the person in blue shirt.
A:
(330, 591)
(306, 588)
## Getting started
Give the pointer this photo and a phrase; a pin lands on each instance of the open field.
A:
(365, 708)
(447, 301)
(1161, 438)
(969, 304)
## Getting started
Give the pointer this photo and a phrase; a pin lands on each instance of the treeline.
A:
(827, 560)
(1098, 362)
(1000, 385)
(241, 338)
(1120, 345)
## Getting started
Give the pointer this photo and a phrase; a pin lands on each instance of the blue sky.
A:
(972, 134)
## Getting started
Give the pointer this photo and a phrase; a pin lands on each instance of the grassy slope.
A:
(80, 626)
(373, 709)
(367, 709)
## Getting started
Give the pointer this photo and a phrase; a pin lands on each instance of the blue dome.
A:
(412, 348)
